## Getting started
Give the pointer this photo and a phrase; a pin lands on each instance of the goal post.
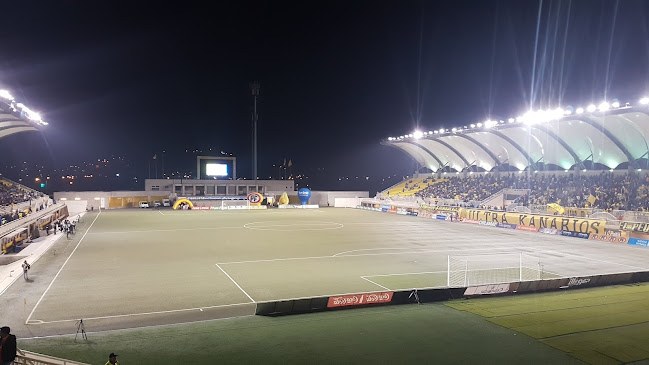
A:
(469, 270)
(235, 204)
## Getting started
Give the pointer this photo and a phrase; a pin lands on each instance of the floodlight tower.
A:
(254, 90)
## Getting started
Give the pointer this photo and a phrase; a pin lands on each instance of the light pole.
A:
(254, 89)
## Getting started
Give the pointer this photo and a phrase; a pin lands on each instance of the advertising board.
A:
(638, 242)
(537, 221)
(359, 299)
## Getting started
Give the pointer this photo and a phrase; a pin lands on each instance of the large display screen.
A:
(216, 169)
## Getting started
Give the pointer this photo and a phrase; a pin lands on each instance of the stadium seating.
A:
(605, 191)
(410, 187)
(14, 200)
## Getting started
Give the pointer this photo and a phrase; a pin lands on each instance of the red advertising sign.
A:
(527, 228)
(200, 208)
(359, 299)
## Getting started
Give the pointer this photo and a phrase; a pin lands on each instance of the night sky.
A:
(131, 78)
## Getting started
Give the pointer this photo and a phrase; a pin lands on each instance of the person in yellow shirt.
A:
(112, 359)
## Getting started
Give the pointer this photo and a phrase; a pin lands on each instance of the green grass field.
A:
(599, 326)
(145, 267)
(155, 271)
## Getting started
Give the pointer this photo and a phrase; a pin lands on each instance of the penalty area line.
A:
(235, 283)
(377, 284)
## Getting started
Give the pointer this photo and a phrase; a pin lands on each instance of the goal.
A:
(235, 204)
(464, 271)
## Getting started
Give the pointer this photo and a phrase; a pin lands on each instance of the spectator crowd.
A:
(602, 191)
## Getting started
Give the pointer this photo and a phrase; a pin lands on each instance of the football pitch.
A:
(134, 268)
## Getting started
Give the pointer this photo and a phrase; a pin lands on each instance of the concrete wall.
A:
(328, 198)
(188, 187)
(94, 198)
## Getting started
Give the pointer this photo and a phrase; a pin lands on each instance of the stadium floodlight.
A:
(454, 129)
(579, 110)
(591, 108)
(436, 132)
(441, 130)
(410, 135)
(644, 100)
(418, 134)
(604, 106)
(425, 133)
(567, 112)
(479, 125)
(6, 95)
(511, 120)
(430, 132)
(616, 104)
(472, 125)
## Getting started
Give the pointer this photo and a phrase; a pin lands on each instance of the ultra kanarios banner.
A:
(570, 224)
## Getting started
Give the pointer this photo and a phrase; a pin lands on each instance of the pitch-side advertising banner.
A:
(536, 221)
(360, 299)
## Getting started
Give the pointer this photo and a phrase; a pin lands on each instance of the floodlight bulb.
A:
(472, 125)
(591, 108)
(604, 106)
(5, 94)
(454, 130)
(511, 120)
(479, 125)
(418, 134)
(644, 100)
(441, 130)
(579, 111)
(616, 104)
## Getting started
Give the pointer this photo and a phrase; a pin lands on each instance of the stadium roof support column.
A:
(466, 162)
(428, 151)
(497, 162)
(612, 138)
(516, 145)
(578, 161)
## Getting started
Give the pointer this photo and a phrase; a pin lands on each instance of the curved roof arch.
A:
(610, 139)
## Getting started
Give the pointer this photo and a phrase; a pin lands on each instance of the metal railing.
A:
(8, 227)
(32, 358)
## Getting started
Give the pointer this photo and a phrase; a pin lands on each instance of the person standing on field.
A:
(26, 267)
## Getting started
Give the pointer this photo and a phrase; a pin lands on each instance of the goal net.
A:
(464, 271)
(235, 204)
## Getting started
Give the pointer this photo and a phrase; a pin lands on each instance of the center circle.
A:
(282, 226)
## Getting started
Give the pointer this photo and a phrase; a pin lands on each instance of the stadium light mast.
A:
(254, 90)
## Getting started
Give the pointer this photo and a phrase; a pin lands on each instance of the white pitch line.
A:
(364, 278)
(235, 283)
(61, 269)
(159, 211)
(138, 328)
(407, 273)
(169, 230)
(35, 321)
(359, 255)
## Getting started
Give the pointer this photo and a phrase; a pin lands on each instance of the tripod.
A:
(415, 295)
(81, 328)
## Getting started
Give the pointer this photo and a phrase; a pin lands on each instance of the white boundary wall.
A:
(347, 202)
